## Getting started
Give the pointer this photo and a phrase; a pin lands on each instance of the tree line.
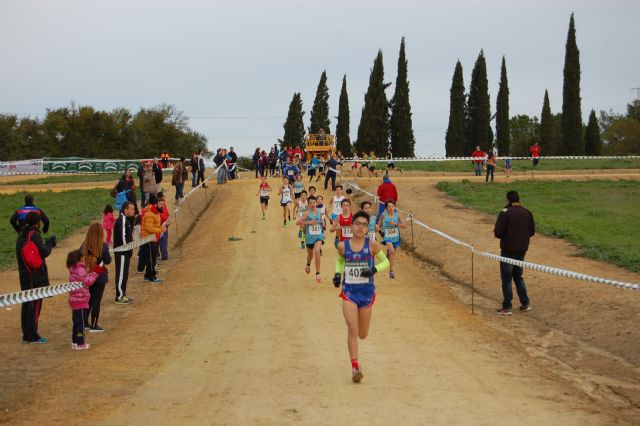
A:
(562, 133)
(385, 125)
(86, 132)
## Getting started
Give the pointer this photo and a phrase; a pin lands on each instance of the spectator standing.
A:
(32, 276)
(178, 178)
(219, 160)
(164, 221)
(194, 169)
(79, 298)
(477, 164)
(19, 216)
(256, 161)
(233, 162)
(535, 153)
(284, 158)
(491, 166)
(386, 191)
(123, 235)
(148, 183)
(108, 221)
(157, 173)
(273, 159)
(514, 227)
(332, 166)
(201, 168)
(95, 252)
(151, 224)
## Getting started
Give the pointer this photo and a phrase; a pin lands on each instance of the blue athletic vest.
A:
(311, 231)
(356, 262)
(389, 228)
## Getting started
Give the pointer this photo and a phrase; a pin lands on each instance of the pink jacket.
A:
(79, 299)
(108, 220)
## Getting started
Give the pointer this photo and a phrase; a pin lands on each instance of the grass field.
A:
(518, 165)
(66, 179)
(67, 211)
(600, 217)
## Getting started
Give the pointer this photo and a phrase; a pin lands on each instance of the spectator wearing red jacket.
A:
(477, 164)
(535, 153)
(386, 191)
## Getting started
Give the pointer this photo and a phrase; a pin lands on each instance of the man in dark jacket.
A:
(123, 234)
(157, 173)
(332, 165)
(18, 218)
(201, 168)
(514, 227)
(33, 278)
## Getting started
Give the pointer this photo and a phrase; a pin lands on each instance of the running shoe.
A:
(318, 278)
(503, 311)
(392, 275)
(128, 299)
(96, 329)
(39, 341)
(525, 308)
(356, 375)
(307, 269)
(121, 301)
(80, 347)
(155, 280)
(263, 218)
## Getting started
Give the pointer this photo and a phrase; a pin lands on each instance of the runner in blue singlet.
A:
(356, 259)
(314, 235)
(390, 222)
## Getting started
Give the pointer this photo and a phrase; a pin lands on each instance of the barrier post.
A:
(411, 220)
(472, 282)
(189, 205)
(175, 219)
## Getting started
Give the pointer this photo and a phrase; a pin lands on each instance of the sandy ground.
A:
(239, 334)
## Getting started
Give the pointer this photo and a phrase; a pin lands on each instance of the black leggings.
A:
(490, 170)
(96, 291)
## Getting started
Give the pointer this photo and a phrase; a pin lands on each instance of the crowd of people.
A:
(366, 238)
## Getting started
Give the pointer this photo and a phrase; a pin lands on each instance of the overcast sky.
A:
(233, 66)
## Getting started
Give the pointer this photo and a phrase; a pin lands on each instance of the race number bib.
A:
(337, 206)
(391, 232)
(290, 172)
(352, 273)
(264, 193)
(315, 229)
(346, 232)
(372, 235)
(286, 197)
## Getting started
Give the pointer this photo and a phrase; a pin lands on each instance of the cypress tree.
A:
(503, 138)
(479, 132)
(545, 140)
(402, 138)
(592, 141)
(373, 130)
(572, 137)
(343, 140)
(320, 110)
(293, 126)
(455, 138)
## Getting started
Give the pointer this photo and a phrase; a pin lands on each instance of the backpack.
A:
(121, 198)
(31, 254)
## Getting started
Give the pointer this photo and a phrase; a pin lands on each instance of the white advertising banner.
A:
(21, 167)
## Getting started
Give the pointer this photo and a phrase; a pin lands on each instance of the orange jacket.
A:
(151, 222)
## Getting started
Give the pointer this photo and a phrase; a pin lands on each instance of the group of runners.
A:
(364, 246)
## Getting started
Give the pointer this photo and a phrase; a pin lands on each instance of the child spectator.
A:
(79, 298)
(108, 221)
(164, 219)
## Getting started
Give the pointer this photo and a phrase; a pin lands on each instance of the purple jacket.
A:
(79, 299)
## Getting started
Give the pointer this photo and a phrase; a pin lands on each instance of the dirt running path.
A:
(239, 334)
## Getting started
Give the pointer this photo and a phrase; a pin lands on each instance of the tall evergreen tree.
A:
(373, 130)
(343, 140)
(592, 141)
(293, 126)
(479, 132)
(402, 139)
(545, 139)
(455, 138)
(572, 137)
(320, 110)
(503, 136)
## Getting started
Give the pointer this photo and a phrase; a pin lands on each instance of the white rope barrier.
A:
(484, 158)
(37, 293)
(535, 266)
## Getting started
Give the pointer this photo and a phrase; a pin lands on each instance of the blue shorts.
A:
(396, 244)
(361, 295)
